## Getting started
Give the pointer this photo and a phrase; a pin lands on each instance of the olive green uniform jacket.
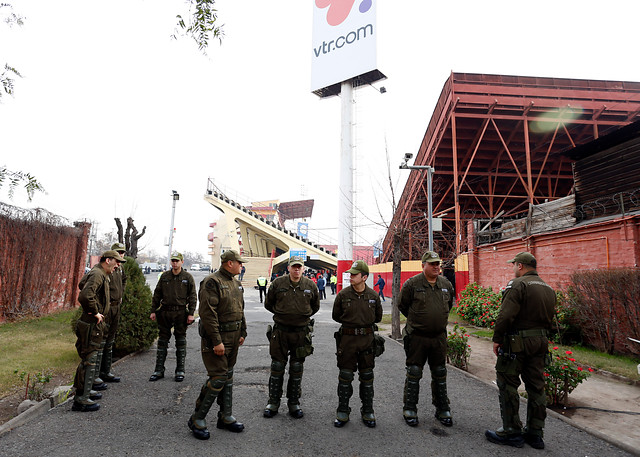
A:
(425, 306)
(175, 290)
(292, 305)
(221, 302)
(527, 303)
(116, 285)
(352, 309)
(94, 293)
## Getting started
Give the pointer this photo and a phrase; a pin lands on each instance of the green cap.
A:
(359, 266)
(111, 254)
(525, 258)
(231, 255)
(296, 260)
(118, 247)
(430, 256)
(175, 255)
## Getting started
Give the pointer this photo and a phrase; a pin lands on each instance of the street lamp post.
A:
(430, 172)
(176, 197)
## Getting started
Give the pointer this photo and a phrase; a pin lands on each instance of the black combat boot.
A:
(411, 395)
(366, 396)
(161, 356)
(345, 390)
(181, 355)
(197, 422)
(294, 389)
(275, 388)
(105, 367)
(225, 415)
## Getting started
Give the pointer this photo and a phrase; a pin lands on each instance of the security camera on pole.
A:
(344, 56)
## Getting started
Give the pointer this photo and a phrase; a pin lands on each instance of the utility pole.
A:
(176, 197)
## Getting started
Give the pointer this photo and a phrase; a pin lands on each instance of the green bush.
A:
(564, 329)
(562, 376)
(458, 349)
(136, 331)
(479, 305)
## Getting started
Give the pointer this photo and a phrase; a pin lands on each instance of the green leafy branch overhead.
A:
(201, 24)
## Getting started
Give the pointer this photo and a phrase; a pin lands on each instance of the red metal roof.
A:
(495, 144)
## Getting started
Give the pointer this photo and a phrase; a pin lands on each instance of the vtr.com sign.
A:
(344, 40)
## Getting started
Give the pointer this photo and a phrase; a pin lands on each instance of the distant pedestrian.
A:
(321, 287)
(173, 306)
(426, 300)
(333, 282)
(262, 286)
(242, 271)
(380, 285)
(521, 345)
(90, 328)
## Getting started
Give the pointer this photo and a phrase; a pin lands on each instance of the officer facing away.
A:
(521, 345)
(292, 299)
(426, 300)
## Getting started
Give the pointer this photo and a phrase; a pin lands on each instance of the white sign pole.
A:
(345, 197)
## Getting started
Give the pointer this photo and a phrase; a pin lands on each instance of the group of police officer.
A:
(520, 339)
(101, 292)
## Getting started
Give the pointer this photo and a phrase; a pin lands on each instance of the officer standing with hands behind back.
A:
(521, 345)
(173, 305)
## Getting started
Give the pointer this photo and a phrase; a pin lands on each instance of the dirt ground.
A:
(610, 406)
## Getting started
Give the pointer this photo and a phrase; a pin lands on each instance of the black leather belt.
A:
(357, 330)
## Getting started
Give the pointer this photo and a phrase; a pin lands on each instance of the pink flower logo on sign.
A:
(339, 10)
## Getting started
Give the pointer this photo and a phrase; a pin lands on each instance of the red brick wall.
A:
(40, 266)
(609, 244)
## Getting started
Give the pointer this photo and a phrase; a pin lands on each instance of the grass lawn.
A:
(618, 364)
(38, 345)
(386, 319)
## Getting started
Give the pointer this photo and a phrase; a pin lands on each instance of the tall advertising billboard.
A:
(344, 41)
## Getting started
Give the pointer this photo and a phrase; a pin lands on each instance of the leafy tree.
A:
(8, 73)
(201, 24)
(14, 178)
(136, 331)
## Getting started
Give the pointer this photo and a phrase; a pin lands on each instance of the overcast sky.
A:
(113, 114)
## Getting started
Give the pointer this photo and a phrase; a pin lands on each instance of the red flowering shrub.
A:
(562, 375)
(479, 305)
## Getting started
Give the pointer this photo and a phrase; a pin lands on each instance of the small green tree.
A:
(136, 330)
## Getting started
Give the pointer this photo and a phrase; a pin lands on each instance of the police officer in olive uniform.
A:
(173, 305)
(357, 308)
(292, 299)
(117, 283)
(90, 328)
(222, 330)
(521, 345)
(426, 300)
